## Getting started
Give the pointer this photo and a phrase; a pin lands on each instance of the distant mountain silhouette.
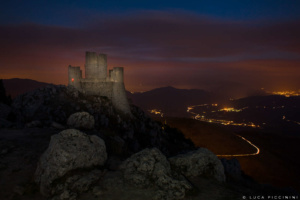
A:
(17, 86)
(170, 100)
(235, 90)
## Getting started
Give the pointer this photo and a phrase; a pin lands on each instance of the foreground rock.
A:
(81, 120)
(201, 162)
(150, 168)
(68, 151)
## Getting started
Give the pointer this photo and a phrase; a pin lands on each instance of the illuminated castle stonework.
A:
(96, 81)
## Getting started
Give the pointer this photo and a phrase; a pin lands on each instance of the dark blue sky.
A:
(70, 12)
(186, 44)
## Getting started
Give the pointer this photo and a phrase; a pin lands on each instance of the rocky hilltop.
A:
(58, 143)
(63, 107)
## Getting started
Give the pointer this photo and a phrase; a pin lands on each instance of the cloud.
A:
(161, 46)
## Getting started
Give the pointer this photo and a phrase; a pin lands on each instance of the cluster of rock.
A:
(76, 162)
(62, 107)
(55, 104)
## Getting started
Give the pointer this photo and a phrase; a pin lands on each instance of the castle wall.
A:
(101, 88)
(119, 98)
(75, 76)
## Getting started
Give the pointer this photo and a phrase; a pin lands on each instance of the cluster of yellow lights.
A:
(230, 110)
(220, 121)
(225, 122)
(156, 112)
(287, 93)
(201, 105)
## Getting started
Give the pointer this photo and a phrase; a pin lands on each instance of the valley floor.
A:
(276, 164)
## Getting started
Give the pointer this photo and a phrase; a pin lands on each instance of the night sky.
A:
(185, 44)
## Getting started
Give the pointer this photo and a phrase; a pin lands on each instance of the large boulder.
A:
(200, 162)
(69, 152)
(81, 120)
(150, 168)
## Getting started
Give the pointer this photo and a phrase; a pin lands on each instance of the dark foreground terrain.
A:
(21, 149)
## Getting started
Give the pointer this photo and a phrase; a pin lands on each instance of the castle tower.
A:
(119, 98)
(95, 66)
(75, 76)
(102, 66)
(91, 60)
(118, 74)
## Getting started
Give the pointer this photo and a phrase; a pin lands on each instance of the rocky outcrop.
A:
(68, 151)
(150, 168)
(201, 162)
(81, 120)
(53, 105)
(56, 103)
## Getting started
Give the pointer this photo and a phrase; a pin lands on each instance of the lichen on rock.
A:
(68, 151)
(197, 163)
(81, 120)
(150, 168)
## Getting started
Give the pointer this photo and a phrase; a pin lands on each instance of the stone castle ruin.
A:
(96, 81)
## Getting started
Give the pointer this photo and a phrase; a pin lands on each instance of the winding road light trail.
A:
(232, 155)
(248, 154)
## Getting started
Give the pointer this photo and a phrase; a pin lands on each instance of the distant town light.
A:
(286, 93)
